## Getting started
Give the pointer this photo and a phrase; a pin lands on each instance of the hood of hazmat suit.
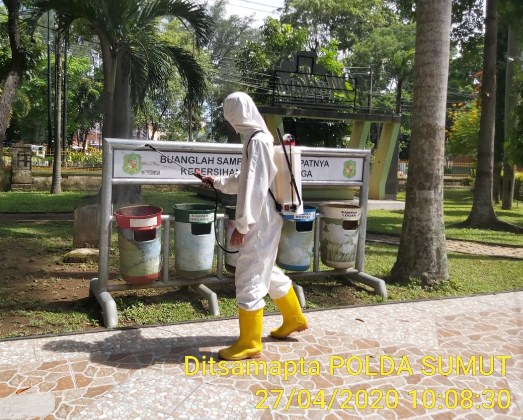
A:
(241, 112)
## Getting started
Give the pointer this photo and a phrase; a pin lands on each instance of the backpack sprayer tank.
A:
(287, 184)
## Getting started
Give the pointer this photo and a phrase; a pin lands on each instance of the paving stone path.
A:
(465, 247)
(439, 359)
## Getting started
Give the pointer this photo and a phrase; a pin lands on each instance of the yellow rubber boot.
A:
(249, 344)
(293, 318)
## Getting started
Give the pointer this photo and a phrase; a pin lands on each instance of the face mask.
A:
(229, 126)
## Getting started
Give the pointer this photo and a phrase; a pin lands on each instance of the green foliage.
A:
(389, 52)
(161, 107)
(345, 20)
(257, 59)
(84, 95)
(511, 12)
(83, 101)
(231, 33)
(464, 72)
(32, 45)
(93, 158)
(328, 58)
(464, 131)
(518, 186)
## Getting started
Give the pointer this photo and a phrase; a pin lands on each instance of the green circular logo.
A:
(132, 164)
(349, 169)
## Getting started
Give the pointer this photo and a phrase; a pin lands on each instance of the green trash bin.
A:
(193, 240)
(139, 243)
(339, 231)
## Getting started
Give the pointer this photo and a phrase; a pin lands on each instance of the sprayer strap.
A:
(276, 204)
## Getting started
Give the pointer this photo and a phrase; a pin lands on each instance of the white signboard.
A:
(182, 165)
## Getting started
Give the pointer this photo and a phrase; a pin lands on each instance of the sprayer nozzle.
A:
(198, 175)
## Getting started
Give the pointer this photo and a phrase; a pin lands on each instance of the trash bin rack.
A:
(100, 287)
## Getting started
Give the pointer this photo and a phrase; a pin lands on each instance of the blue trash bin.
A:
(295, 251)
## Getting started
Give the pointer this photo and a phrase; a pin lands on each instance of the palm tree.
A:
(134, 58)
(422, 252)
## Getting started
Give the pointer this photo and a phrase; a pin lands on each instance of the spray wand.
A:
(198, 175)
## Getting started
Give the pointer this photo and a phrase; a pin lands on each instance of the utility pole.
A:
(370, 90)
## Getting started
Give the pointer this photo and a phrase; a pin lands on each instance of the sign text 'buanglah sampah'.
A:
(182, 165)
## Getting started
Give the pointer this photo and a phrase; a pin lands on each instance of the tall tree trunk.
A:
(117, 115)
(496, 181)
(422, 251)
(499, 129)
(16, 70)
(109, 61)
(482, 214)
(122, 97)
(507, 196)
(122, 117)
(56, 184)
(83, 138)
(399, 93)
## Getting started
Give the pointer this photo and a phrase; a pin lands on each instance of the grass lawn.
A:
(44, 202)
(457, 207)
(40, 294)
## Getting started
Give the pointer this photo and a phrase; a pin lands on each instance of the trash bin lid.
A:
(139, 217)
(341, 211)
(309, 214)
(193, 213)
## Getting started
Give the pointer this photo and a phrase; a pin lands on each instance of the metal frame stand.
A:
(100, 286)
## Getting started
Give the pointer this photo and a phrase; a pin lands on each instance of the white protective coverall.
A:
(256, 215)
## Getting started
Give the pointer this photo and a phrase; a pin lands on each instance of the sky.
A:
(261, 9)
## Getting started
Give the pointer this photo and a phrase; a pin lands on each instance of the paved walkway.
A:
(465, 247)
(438, 359)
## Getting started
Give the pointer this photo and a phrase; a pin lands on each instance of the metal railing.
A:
(70, 159)
(453, 168)
(313, 90)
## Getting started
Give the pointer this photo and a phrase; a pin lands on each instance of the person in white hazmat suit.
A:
(257, 233)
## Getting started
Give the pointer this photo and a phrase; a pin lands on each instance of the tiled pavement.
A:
(463, 357)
